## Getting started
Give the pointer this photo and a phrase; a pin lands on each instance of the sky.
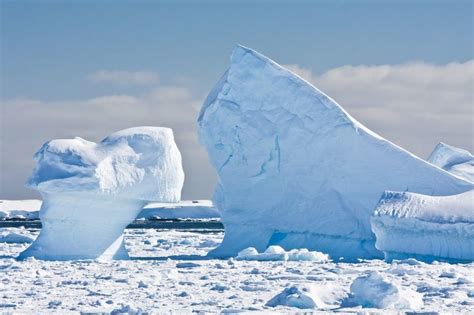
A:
(405, 69)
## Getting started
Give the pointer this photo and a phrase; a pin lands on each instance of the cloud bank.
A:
(125, 77)
(414, 105)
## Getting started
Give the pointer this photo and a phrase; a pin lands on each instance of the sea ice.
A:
(91, 192)
(295, 169)
(425, 227)
(14, 235)
(19, 209)
(185, 209)
(190, 209)
(457, 161)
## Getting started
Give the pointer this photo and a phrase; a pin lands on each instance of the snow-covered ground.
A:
(170, 273)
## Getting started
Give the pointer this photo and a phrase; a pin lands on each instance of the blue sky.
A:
(47, 42)
(50, 51)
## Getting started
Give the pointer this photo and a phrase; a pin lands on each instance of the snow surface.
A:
(295, 169)
(184, 209)
(92, 191)
(457, 161)
(426, 227)
(170, 273)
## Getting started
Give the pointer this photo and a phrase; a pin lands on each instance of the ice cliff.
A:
(92, 191)
(295, 169)
(425, 227)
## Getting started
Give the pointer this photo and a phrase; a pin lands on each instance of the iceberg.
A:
(295, 169)
(457, 161)
(92, 191)
(409, 225)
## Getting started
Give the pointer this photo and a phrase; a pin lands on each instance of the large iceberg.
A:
(295, 169)
(425, 227)
(91, 191)
(457, 161)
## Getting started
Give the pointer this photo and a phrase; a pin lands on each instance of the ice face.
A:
(295, 169)
(91, 192)
(425, 227)
(457, 161)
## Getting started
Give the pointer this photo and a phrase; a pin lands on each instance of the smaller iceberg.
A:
(92, 191)
(425, 227)
(457, 161)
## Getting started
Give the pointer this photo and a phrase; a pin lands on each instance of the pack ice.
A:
(295, 169)
(92, 191)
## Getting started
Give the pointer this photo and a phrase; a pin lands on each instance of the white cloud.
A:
(415, 105)
(125, 77)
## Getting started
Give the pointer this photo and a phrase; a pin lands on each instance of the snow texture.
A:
(457, 161)
(276, 253)
(425, 227)
(92, 191)
(153, 282)
(374, 290)
(295, 169)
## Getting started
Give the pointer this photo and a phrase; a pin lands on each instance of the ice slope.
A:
(295, 169)
(425, 227)
(91, 192)
(457, 161)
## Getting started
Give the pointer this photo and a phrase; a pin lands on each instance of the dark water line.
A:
(215, 226)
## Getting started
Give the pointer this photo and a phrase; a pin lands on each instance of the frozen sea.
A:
(170, 273)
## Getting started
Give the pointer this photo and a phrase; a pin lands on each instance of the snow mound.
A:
(20, 209)
(309, 296)
(91, 192)
(295, 169)
(457, 161)
(299, 296)
(374, 290)
(15, 235)
(276, 253)
(425, 227)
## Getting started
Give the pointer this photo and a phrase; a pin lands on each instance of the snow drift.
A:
(91, 192)
(374, 290)
(425, 227)
(295, 169)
